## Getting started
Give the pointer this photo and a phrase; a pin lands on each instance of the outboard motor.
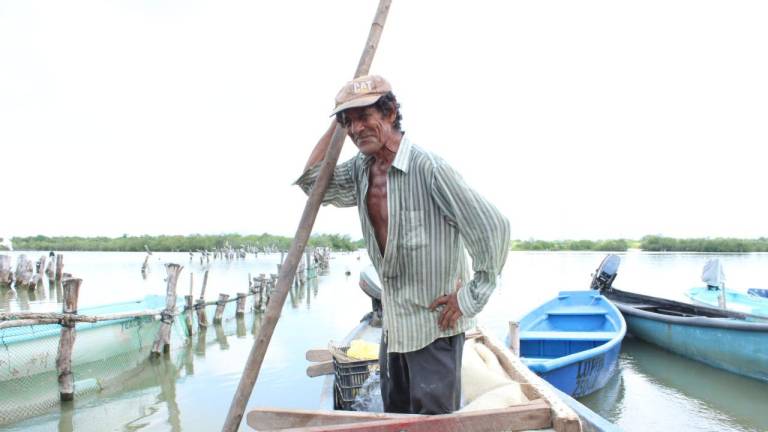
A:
(605, 273)
(713, 274)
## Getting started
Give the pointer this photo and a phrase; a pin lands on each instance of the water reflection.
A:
(151, 385)
(720, 399)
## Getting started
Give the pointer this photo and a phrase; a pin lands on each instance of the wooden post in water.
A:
(202, 318)
(59, 266)
(40, 272)
(205, 284)
(189, 301)
(220, 305)
(163, 339)
(5, 270)
(49, 269)
(67, 340)
(514, 337)
(288, 269)
(240, 305)
(24, 272)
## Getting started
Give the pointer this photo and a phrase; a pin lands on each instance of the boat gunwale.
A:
(602, 349)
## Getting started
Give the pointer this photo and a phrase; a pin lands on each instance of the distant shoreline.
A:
(177, 243)
(198, 242)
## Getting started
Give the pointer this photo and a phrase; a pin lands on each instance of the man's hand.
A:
(450, 313)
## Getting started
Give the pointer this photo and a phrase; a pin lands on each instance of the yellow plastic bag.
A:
(363, 350)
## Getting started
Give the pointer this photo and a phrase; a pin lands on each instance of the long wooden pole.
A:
(288, 269)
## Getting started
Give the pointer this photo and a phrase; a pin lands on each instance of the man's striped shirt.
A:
(433, 216)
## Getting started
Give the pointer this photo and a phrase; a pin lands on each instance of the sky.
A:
(578, 120)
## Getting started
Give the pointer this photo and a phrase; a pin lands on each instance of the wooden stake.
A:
(190, 309)
(240, 305)
(205, 284)
(220, 308)
(288, 269)
(163, 340)
(5, 270)
(202, 318)
(67, 341)
(59, 266)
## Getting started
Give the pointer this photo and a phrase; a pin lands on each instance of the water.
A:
(193, 388)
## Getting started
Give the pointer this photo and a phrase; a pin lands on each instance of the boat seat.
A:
(566, 335)
(577, 310)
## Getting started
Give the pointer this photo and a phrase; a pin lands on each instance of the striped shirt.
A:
(433, 217)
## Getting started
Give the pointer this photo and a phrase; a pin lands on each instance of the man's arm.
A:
(485, 232)
(341, 189)
(321, 148)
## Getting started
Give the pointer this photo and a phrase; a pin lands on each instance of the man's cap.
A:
(360, 92)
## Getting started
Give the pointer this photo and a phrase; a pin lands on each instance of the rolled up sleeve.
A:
(341, 189)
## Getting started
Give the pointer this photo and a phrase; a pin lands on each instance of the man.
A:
(418, 217)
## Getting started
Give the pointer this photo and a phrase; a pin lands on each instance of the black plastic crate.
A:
(349, 377)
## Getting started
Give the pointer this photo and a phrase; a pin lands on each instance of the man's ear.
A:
(392, 114)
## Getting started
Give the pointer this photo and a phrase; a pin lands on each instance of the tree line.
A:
(345, 243)
(650, 243)
(165, 243)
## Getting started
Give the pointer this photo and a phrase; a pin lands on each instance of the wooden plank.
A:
(318, 355)
(533, 415)
(319, 369)
(276, 419)
(564, 419)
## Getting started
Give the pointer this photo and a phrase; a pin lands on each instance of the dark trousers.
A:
(427, 381)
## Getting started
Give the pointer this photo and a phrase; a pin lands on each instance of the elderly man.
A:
(418, 216)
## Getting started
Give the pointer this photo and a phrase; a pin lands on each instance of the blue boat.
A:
(724, 339)
(734, 300)
(758, 292)
(573, 341)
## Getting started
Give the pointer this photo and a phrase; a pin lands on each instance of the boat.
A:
(537, 406)
(573, 341)
(728, 340)
(32, 350)
(734, 300)
(715, 293)
(758, 292)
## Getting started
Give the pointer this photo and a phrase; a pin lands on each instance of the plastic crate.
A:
(349, 377)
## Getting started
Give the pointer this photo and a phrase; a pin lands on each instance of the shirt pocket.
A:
(413, 230)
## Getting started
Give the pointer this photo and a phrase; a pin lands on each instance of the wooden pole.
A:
(240, 305)
(5, 270)
(220, 305)
(163, 340)
(205, 284)
(202, 318)
(514, 337)
(67, 341)
(188, 314)
(59, 266)
(288, 269)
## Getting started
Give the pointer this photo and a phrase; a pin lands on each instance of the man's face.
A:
(368, 129)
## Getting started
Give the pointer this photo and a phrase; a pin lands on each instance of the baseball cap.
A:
(360, 92)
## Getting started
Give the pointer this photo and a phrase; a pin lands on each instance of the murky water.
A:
(192, 389)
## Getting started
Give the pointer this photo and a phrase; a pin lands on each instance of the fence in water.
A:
(46, 358)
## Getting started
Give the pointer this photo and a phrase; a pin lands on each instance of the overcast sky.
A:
(588, 119)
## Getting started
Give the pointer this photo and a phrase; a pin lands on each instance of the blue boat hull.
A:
(586, 376)
(573, 341)
(734, 300)
(744, 352)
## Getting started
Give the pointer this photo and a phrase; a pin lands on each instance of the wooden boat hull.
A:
(722, 339)
(573, 341)
(547, 409)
